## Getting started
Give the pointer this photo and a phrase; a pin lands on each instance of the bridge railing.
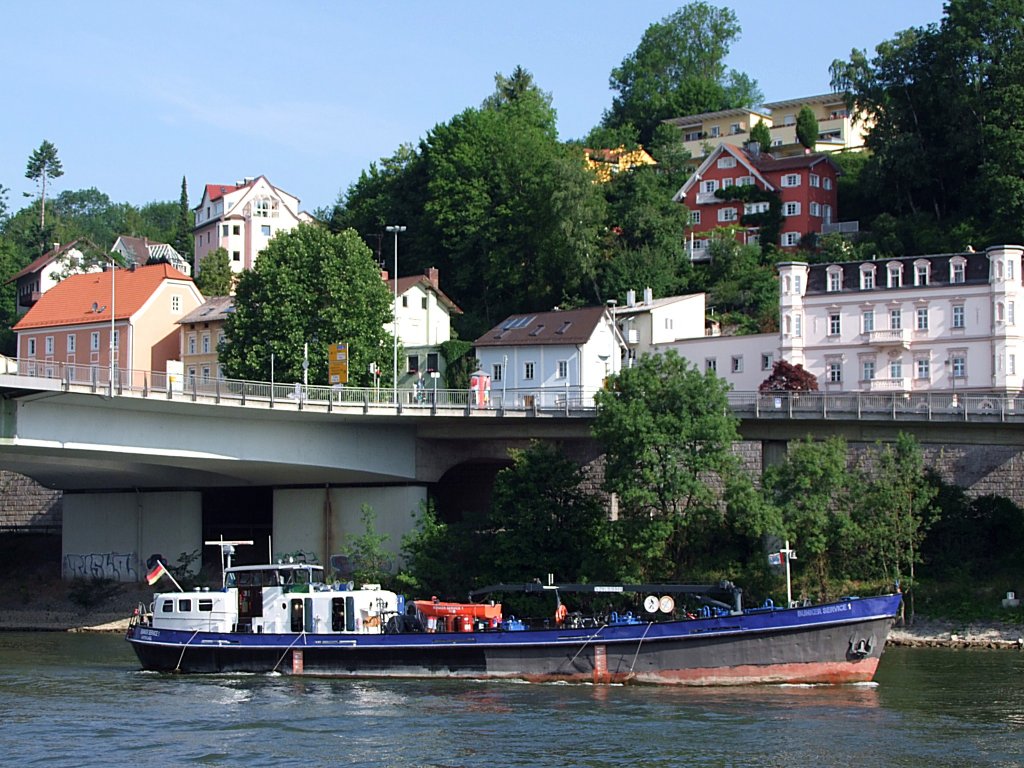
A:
(942, 405)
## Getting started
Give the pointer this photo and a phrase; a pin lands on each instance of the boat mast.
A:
(227, 549)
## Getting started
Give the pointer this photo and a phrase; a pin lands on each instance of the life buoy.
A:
(560, 613)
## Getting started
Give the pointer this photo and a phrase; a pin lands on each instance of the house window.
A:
(236, 255)
(959, 366)
(896, 369)
(31, 347)
(790, 238)
(693, 136)
(835, 372)
(563, 369)
(758, 207)
(709, 187)
(894, 275)
(236, 229)
(71, 343)
(94, 341)
(826, 183)
(432, 362)
(117, 339)
(1010, 313)
(497, 370)
(695, 217)
(412, 364)
(867, 279)
(262, 208)
(835, 279)
(265, 230)
(895, 320)
(834, 324)
(922, 368)
(826, 213)
(791, 180)
(191, 343)
(737, 363)
(423, 302)
(716, 131)
(797, 283)
(1011, 365)
(405, 302)
(206, 343)
(1009, 269)
(798, 322)
(206, 373)
(957, 270)
(867, 370)
(224, 230)
(959, 317)
(922, 271)
(745, 181)
(49, 345)
(815, 209)
(867, 320)
(528, 371)
(791, 209)
(727, 214)
(735, 128)
(727, 162)
(814, 180)
(711, 364)
(175, 303)
(766, 362)
(999, 312)
(922, 319)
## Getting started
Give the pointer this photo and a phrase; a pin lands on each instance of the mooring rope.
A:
(298, 637)
(587, 642)
(637, 654)
(178, 668)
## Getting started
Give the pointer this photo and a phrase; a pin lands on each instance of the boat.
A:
(285, 618)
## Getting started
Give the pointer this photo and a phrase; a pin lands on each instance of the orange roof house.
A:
(72, 324)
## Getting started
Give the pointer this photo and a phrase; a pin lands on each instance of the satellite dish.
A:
(651, 603)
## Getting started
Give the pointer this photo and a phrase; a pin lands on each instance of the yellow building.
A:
(608, 162)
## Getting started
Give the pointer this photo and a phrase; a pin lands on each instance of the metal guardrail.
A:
(938, 406)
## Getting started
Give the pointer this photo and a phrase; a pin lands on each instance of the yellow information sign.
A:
(337, 364)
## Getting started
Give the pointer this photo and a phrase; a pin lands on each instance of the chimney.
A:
(431, 273)
(753, 148)
(56, 246)
(630, 298)
(648, 296)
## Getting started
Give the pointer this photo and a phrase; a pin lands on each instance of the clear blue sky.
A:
(136, 95)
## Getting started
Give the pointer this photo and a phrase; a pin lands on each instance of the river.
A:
(80, 700)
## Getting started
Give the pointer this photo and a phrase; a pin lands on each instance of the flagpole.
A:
(175, 581)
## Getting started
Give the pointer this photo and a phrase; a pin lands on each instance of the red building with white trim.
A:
(805, 185)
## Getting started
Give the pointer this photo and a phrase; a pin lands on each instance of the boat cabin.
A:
(281, 598)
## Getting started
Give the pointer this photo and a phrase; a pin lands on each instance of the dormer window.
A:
(922, 272)
(835, 279)
(867, 277)
(894, 275)
(727, 162)
(957, 269)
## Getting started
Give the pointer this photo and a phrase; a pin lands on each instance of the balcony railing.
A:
(888, 338)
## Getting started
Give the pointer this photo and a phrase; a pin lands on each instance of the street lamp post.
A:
(396, 228)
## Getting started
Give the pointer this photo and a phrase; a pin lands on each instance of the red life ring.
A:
(560, 613)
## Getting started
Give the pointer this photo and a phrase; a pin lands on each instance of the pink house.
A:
(68, 330)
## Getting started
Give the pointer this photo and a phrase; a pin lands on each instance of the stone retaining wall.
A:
(25, 505)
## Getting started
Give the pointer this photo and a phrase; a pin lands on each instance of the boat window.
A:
(244, 578)
(206, 605)
(230, 581)
(350, 614)
(338, 614)
(184, 606)
(302, 577)
(167, 606)
(271, 578)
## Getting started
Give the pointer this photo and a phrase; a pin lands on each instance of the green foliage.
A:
(215, 275)
(667, 431)
(769, 221)
(742, 285)
(762, 134)
(811, 490)
(372, 563)
(807, 127)
(944, 103)
(459, 364)
(11, 262)
(88, 593)
(543, 522)
(182, 239)
(309, 286)
(679, 69)
(43, 165)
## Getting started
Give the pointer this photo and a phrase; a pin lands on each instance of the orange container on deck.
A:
(461, 616)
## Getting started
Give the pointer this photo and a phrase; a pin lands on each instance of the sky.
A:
(137, 95)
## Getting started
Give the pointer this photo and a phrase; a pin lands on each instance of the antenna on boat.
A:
(227, 549)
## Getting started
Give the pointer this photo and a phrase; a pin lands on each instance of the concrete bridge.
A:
(149, 466)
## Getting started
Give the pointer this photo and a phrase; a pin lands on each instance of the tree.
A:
(742, 287)
(762, 134)
(895, 511)
(807, 127)
(215, 277)
(544, 522)
(311, 287)
(786, 377)
(182, 240)
(11, 262)
(43, 164)
(679, 69)
(667, 432)
(812, 491)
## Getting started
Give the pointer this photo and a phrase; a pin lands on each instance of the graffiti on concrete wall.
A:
(101, 565)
